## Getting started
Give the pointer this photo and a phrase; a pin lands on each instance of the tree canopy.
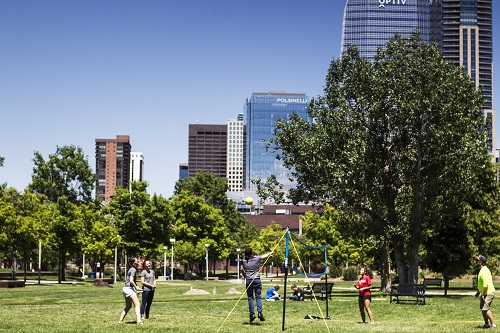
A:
(65, 173)
(385, 141)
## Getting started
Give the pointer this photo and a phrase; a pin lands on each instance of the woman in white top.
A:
(130, 292)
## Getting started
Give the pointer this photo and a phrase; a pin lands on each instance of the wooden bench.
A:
(408, 290)
(212, 278)
(433, 282)
(12, 283)
(320, 290)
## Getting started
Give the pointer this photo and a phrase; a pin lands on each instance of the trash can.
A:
(91, 275)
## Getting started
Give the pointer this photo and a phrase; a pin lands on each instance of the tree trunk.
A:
(14, 263)
(385, 269)
(401, 265)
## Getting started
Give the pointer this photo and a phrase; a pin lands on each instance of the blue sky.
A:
(74, 71)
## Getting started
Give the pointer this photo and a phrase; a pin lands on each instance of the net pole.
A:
(326, 280)
(286, 276)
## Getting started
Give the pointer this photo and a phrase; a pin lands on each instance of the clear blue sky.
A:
(74, 71)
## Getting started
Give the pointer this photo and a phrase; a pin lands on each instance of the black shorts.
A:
(361, 299)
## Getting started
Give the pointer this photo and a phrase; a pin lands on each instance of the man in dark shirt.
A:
(251, 268)
(298, 294)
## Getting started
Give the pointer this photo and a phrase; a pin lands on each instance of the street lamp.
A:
(172, 240)
(165, 248)
(238, 262)
(206, 258)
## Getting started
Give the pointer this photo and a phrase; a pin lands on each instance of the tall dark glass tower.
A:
(262, 111)
(466, 39)
(369, 24)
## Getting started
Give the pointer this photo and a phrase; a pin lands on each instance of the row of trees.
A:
(58, 209)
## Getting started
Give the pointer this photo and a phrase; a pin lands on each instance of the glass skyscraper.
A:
(369, 24)
(261, 112)
(466, 39)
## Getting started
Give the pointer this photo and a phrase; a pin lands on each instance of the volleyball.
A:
(249, 201)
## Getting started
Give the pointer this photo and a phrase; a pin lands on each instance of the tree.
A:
(213, 191)
(23, 220)
(348, 241)
(142, 222)
(65, 173)
(382, 136)
(2, 160)
(195, 223)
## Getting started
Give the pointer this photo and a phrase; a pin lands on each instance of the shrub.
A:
(351, 273)
(335, 271)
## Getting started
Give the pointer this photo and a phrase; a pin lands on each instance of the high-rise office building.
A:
(219, 150)
(262, 111)
(466, 39)
(136, 167)
(112, 165)
(207, 149)
(369, 24)
(236, 153)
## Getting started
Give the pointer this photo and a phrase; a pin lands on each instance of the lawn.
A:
(87, 308)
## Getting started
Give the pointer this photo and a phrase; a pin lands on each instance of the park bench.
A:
(408, 290)
(433, 282)
(320, 290)
(12, 283)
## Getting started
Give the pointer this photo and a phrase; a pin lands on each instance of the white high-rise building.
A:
(236, 154)
(136, 166)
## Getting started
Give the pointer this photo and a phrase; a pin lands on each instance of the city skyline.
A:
(73, 72)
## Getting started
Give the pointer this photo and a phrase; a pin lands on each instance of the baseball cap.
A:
(482, 259)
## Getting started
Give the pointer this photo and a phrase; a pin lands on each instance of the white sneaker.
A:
(494, 326)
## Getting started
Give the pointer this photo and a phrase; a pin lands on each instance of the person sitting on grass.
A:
(298, 294)
(272, 294)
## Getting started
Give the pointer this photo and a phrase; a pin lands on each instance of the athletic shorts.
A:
(484, 304)
(129, 291)
(362, 299)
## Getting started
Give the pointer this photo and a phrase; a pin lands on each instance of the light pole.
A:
(206, 258)
(172, 240)
(165, 248)
(238, 262)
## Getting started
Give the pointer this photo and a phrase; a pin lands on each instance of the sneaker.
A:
(139, 323)
(486, 326)
(494, 326)
(261, 316)
(252, 317)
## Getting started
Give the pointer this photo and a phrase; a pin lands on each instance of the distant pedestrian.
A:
(130, 292)
(365, 296)
(148, 282)
(486, 290)
(251, 269)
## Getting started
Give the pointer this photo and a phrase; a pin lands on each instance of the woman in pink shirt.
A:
(365, 296)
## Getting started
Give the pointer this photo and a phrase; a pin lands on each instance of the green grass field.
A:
(87, 308)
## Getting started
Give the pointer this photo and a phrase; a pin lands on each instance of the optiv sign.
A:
(383, 3)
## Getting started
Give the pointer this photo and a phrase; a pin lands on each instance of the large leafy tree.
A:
(349, 241)
(143, 222)
(384, 135)
(23, 220)
(65, 173)
(213, 191)
(196, 223)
